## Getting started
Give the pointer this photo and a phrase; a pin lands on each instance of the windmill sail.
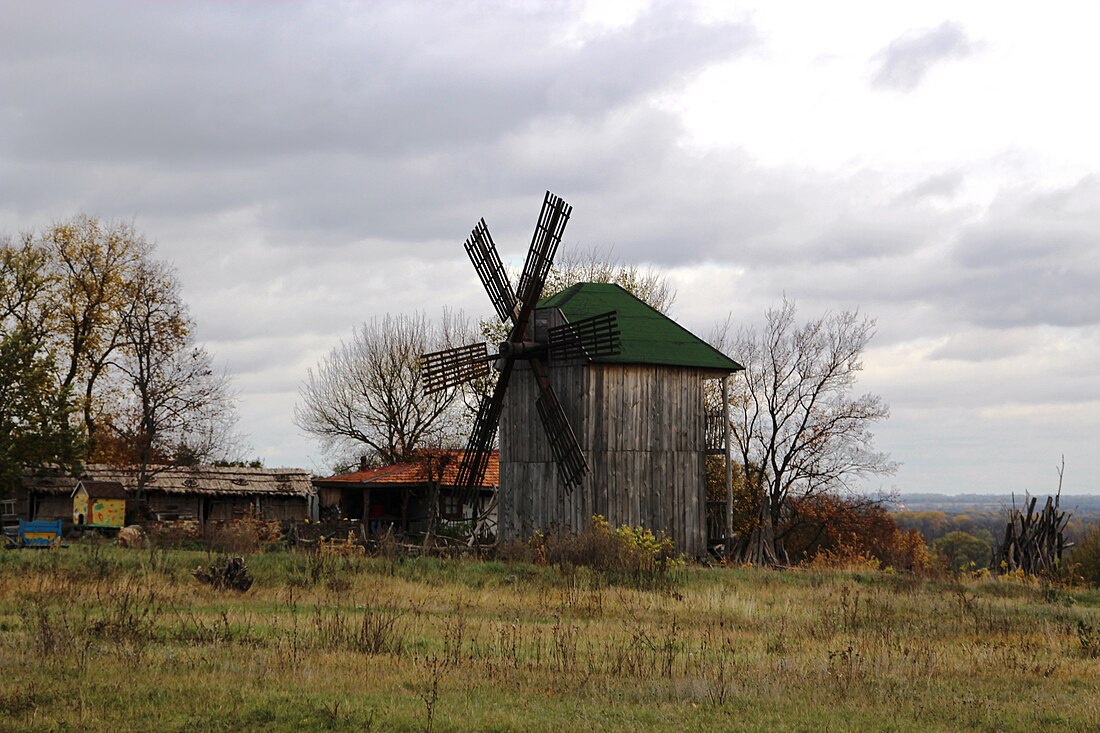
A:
(475, 459)
(587, 338)
(483, 254)
(563, 443)
(453, 367)
(544, 244)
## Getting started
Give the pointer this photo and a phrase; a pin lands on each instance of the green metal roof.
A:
(647, 336)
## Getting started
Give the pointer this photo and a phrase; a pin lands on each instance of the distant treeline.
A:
(987, 524)
(957, 503)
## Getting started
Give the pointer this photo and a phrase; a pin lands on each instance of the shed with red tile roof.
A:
(400, 496)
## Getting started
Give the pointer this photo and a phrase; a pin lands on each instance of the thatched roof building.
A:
(186, 492)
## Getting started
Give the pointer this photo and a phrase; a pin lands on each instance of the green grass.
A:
(94, 637)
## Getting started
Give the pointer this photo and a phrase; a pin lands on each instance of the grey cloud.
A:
(1030, 259)
(902, 65)
(184, 83)
(943, 185)
(1033, 259)
(379, 122)
(983, 345)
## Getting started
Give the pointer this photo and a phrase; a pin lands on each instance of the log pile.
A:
(1034, 541)
(227, 574)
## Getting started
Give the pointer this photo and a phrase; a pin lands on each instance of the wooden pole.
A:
(729, 463)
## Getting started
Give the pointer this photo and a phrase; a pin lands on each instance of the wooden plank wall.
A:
(642, 430)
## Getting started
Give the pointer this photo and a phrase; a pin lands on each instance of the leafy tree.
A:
(34, 414)
(963, 551)
(931, 524)
(90, 317)
(795, 422)
(850, 528)
(744, 494)
(96, 266)
(34, 409)
(26, 303)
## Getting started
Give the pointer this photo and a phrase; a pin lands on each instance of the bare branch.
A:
(369, 393)
(795, 422)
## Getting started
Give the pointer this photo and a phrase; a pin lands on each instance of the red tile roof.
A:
(413, 473)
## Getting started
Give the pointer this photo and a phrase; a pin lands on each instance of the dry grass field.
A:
(104, 639)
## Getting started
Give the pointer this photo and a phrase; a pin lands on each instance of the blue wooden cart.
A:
(43, 533)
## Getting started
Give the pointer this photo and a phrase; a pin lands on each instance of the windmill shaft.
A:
(521, 349)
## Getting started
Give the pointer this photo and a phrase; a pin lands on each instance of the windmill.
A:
(584, 339)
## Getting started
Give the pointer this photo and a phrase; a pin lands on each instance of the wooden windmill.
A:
(619, 422)
(584, 339)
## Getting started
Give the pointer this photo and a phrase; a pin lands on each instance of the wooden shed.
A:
(640, 419)
(99, 503)
(398, 496)
(202, 493)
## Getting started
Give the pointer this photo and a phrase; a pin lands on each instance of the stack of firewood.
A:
(1034, 541)
(228, 573)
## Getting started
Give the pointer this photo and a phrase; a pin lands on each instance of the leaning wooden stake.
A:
(1035, 541)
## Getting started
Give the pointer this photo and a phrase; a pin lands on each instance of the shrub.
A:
(1086, 556)
(232, 538)
(635, 553)
(229, 573)
(831, 531)
(243, 536)
(962, 551)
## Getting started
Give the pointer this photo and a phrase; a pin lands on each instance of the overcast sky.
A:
(308, 166)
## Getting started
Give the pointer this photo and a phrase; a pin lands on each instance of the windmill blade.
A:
(452, 367)
(483, 254)
(572, 465)
(475, 459)
(563, 443)
(544, 245)
(588, 338)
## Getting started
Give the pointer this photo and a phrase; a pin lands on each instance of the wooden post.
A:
(365, 519)
(729, 463)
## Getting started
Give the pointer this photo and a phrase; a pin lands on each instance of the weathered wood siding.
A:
(642, 430)
(53, 506)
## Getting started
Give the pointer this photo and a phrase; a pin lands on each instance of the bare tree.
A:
(797, 426)
(175, 409)
(594, 265)
(367, 395)
(599, 265)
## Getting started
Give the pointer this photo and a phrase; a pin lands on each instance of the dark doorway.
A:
(351, 504)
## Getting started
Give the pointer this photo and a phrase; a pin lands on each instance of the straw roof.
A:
(203, 480)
